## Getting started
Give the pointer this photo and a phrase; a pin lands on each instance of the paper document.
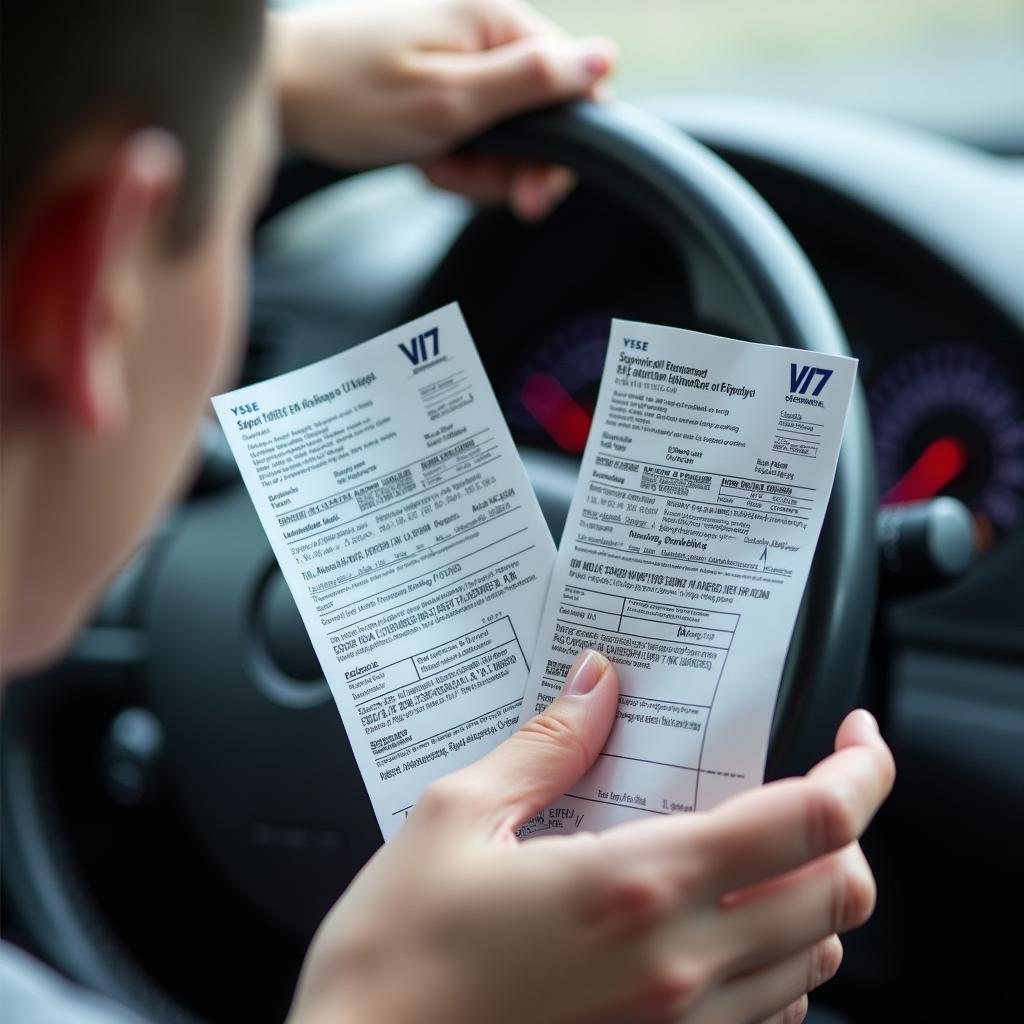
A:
(684, 559)
(411, 540)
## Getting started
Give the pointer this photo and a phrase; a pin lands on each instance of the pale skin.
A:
(109, 355)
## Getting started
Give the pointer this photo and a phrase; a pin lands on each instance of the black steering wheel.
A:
(202, 632)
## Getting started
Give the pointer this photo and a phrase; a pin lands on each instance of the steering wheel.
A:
(202, 632)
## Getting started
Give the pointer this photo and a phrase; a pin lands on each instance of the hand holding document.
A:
(407, 530)
(411, 540)
(684, 559)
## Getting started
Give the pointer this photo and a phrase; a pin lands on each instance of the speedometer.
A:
(552, 396)
(949, 419)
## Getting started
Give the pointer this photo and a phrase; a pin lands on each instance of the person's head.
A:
(137, 138)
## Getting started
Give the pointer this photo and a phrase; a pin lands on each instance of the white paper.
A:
(411, 540)
(684, 558)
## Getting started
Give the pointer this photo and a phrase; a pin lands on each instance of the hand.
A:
(725, 916)
(364, 84)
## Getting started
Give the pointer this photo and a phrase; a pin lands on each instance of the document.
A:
(684, 558)
(408, 533)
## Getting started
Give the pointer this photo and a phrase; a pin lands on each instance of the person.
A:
(139, 139)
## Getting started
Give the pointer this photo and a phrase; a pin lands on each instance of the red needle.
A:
(939, 464)
(556, 411)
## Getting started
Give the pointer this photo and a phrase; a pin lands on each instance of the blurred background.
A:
(956, 66)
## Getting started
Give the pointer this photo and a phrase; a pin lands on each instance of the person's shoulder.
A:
(32, 993)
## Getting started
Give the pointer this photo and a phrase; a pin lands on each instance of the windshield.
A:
(956, 66)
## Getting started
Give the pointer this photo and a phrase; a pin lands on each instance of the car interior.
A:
(181, 805)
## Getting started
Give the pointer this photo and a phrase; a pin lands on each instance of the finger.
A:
(538, 189)
(783, 825)
(795, 1013)
(540, 762)
(777, 828)
(858, 729)
(532, 72)
(783, 916)
(778, 992)
(531, 189)
(505, 21)
(509, 20)
(488, 180)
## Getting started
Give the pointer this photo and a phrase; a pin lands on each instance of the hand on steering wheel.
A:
(367, 84)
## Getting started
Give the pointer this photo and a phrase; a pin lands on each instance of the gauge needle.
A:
(556, 411)
(938, 465)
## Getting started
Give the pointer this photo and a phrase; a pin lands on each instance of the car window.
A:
(952, 65)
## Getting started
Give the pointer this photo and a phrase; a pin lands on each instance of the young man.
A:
(138, 140)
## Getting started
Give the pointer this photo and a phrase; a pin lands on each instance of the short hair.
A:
(180, 65)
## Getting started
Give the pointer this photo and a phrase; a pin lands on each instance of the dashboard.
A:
(943, 378)
(947, 407)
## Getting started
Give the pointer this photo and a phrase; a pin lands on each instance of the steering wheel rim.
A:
(682, 187)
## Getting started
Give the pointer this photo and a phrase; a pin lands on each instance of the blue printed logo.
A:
(423, 347)
(800, 378)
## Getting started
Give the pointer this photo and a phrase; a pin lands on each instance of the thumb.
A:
(541, 761)
(535, 71)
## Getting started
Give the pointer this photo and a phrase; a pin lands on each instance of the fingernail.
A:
(595, 64)
(586, 670)
(534, 200)
(536, 193)
(597, 58)
(868, 720)
(519, 199)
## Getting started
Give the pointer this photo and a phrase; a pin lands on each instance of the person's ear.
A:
(74, 279)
